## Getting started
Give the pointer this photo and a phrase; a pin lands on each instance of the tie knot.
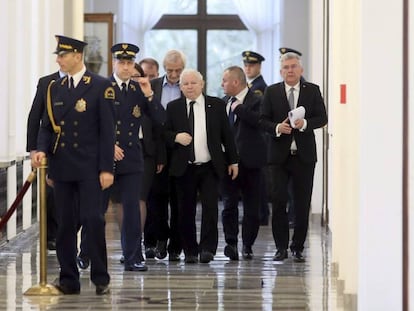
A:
(123, 86)
(192, 103)
(292, 89)
(233, 99)
(71, 83)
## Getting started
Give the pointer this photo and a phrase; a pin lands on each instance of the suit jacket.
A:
(249, 138)
(85, 115)
(258, 85)
(37, 110)
(219, 135)
(275, 108)
(128, 116)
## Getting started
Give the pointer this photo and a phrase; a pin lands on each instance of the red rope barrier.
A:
(17, 200)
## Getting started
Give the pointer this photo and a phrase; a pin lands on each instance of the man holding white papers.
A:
(292, 151)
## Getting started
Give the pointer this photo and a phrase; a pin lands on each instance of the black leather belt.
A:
(293, 152)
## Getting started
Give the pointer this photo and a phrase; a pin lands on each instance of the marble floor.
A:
(259, 284)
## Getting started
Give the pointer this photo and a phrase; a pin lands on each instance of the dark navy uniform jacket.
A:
(37, 110)
(85, 115)
(128, 117)
(258, 85)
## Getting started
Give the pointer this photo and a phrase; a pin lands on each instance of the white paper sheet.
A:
(295, 114)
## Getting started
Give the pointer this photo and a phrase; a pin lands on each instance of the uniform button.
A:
(118, 122)
(63, 133)
(75, 123)
(75, 145)
(117, 142)
(75, 134)
(129, 133)
(130, 144)
(62, 122)
(118, 132)
(132, 124)
(62, 145)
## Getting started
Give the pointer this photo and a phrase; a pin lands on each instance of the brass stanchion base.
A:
(43, 290)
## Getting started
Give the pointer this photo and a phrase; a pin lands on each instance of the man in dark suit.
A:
(163, 194)
(243, 108)
(77, 135)
(197, 130)
(33, 124)
(132, 99)
(292, 151)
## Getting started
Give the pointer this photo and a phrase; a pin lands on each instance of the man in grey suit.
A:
(292, 151)
(197, 129)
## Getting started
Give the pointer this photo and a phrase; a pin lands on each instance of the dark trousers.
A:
(163, 195)
(301, 175)
(247, 184)
(80, 202)
(150, 228)
(203, 180)
(128, 186)
(51, 215)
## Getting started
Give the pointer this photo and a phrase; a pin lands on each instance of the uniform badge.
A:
(86, 79)
(64, 80)
(80, 105)
(132, 87)
(136, 112)
(109, 93)
(258, 92)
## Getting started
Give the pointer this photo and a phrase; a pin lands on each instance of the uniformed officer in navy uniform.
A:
(252, 68)
(78, 135)
(132, 99)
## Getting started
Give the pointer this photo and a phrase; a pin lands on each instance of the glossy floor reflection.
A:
(260, 284)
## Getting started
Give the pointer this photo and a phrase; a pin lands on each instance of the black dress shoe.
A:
(150, 252)
(298, 256)
(65, 289)
(161, 251)
(191, 259)
(138, 266)
(206, 257)
(280, 255)
(247, 252)
(122, 259)
(173, 257)
(83, 263)
(51, 245)
(231, 252)
(102, 289)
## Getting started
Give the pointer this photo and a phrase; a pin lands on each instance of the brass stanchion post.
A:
(43, 289)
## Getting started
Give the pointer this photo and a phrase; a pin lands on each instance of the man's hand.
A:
(106, 179)
(299, 123)
(159, 168)
(37, 158)
(145, 86)
(233, 171)
(118, 153)
(183, 138)
(284, 127)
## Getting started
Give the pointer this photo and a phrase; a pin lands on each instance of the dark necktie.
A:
(231, 112)
(71, 83)
(291, 98)
(191, 124)
(124, 89)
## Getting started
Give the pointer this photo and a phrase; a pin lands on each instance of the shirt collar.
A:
(119, 81)
(78, 76)
(288, 87)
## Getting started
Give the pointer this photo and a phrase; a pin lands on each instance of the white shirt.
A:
(201, 152)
